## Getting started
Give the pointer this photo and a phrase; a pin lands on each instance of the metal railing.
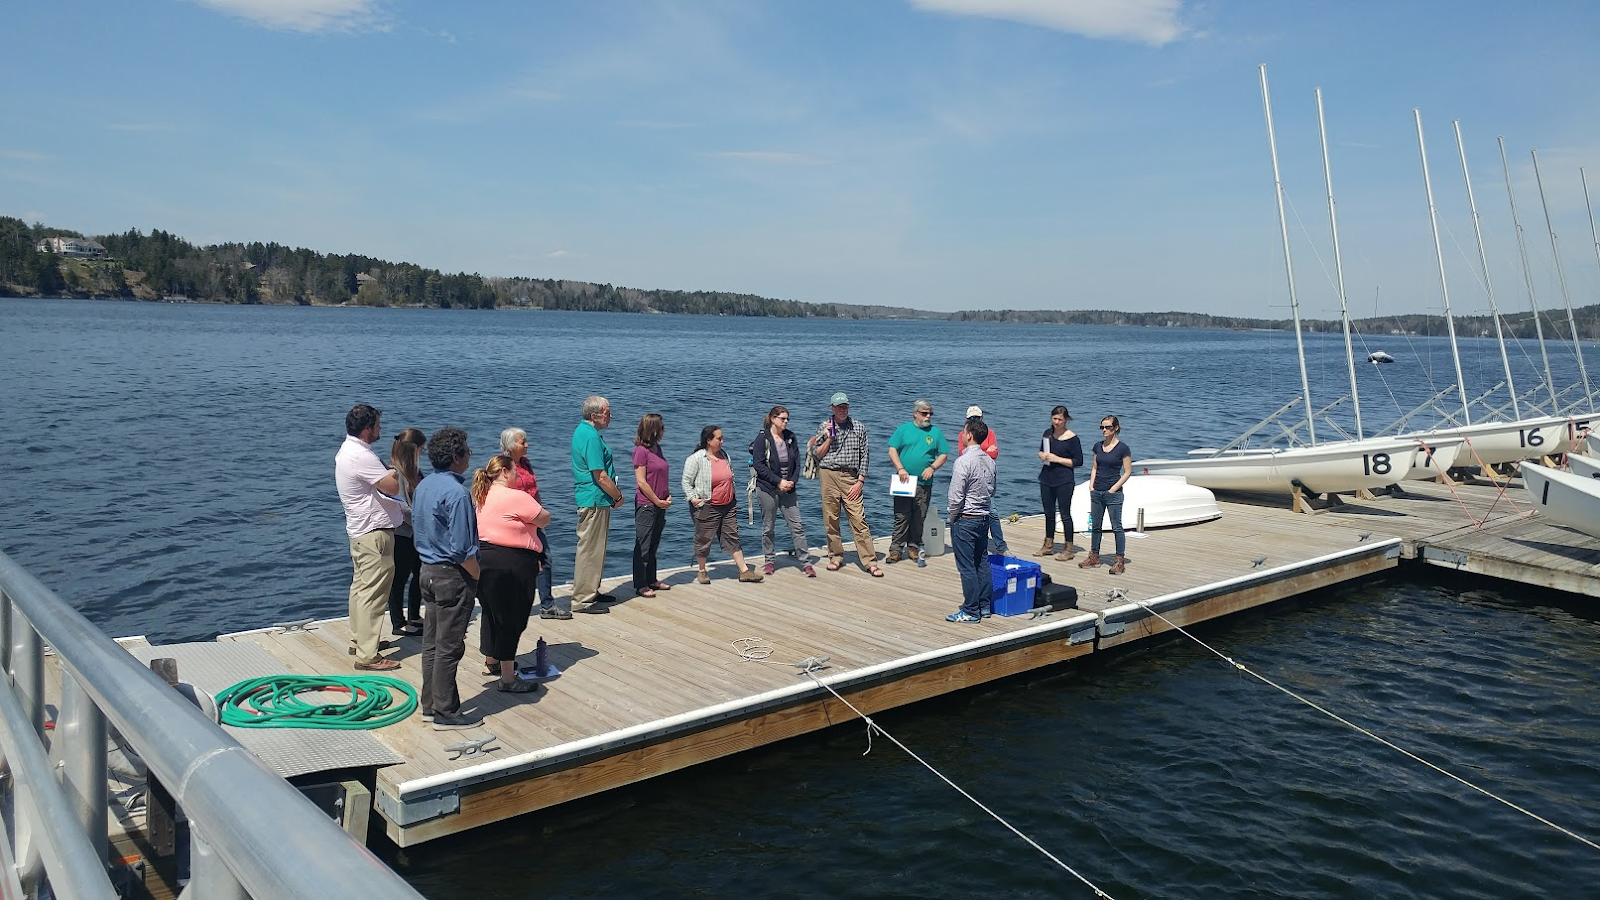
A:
(251, 833)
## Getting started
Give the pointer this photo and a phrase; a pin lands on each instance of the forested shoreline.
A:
(159, 265)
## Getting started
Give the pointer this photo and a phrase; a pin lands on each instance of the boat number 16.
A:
(1531, 437)
(1376, 463)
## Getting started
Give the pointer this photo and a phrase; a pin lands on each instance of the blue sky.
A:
(942, 154)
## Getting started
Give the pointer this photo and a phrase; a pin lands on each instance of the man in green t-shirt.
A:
(595, 481)
(917, 449)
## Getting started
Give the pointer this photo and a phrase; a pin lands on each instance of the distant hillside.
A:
(160, 265)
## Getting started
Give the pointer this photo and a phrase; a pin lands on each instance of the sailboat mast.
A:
(1527, 278)
(1483, 259)
(1594, 234)
(1288, 264)
(1338, 268)
(1561, 278)
(1444, 286)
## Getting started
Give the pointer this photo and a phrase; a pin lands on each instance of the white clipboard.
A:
(906, 487)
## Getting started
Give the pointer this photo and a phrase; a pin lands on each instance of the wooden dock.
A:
(659, 684)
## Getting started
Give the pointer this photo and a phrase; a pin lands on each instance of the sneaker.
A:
(517, 687)
(922, 561)
(554, 614)
(768, 569)
(456, 722)
(961, 616)
(810, 570)
(912, 553)
(1003, 550)
(427, 716)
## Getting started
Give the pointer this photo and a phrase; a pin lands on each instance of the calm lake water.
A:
(171, 474)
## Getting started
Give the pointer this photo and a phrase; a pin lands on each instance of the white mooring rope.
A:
(1120, 594)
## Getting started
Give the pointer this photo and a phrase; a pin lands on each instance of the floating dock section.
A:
(701, 672)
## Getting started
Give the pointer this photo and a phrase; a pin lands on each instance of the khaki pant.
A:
(589, 563)
(372, 558)
(834, 486)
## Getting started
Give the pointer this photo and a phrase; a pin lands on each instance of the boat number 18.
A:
(1376, 463)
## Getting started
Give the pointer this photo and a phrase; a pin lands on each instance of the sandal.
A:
(518, 687)
(382, 665)
(644, 592)
(835, 564)
(491, 666)
(409, 630)
(661, 586)
(876, 572)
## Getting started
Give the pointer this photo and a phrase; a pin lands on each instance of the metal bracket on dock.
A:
(1446, 557)
(1109, 628)
(1081, 635)
(410, 812)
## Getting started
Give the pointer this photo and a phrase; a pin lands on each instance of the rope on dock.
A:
(274, 701)
(810, 671)
(1118, 594)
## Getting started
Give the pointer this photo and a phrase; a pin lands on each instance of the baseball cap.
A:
(974, 411)
(839, 399)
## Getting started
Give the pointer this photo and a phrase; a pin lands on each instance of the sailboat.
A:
(1564, 497)
(1340, 466)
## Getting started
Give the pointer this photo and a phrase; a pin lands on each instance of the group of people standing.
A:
(440, 541)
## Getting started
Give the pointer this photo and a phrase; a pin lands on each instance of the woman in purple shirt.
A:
(650, 502)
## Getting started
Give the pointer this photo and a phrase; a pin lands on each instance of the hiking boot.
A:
(1067, 554)
(1045, 549)
(750, 575)
(893, 557)
(1118, 566)
(1091, 562)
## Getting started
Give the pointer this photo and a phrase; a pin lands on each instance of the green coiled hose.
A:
(275, 701)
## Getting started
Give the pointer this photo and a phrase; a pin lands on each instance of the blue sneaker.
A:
(962, 617)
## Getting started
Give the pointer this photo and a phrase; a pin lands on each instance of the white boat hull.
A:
(1493, 443)
(1439, 454)
(1165, 499)
(1344, 466)
(1583, 466)
(1563, 497)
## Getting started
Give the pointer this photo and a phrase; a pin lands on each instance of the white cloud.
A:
(558, 254)
(1152, 22)
(768, 156)
(301, 15)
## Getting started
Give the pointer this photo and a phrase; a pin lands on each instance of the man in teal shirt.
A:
(917, 449)
(595, 479)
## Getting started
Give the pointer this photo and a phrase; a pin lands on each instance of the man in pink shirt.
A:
(991, 446)
(366, 489)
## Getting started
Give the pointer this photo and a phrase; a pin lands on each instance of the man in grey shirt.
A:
(971, 492)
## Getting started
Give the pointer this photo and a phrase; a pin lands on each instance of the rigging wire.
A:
(1120, 594)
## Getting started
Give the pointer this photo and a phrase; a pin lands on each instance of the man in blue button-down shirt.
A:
(446, 535)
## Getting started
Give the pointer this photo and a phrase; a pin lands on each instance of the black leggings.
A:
(1055, 497)
(405, 603)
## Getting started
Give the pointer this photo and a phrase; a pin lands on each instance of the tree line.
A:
(1514, 325)
(160, 265)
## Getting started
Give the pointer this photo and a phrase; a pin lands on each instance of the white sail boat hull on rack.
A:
(1436, 454)
(1583, 466)
(1324, 469)
(1493, 443)
(1563, 497)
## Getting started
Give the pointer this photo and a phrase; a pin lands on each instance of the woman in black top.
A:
(775, 456)
(1112, 466)
(1061, 452)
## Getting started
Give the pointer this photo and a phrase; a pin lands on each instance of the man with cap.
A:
(916, 450)
(842, 455)
(997, 539)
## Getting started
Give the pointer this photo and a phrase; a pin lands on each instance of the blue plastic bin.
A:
(1014, 581)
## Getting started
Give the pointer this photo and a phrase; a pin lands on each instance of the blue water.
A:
(171, 474)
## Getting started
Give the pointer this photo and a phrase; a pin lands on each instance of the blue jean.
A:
(1101, 504)
(970, 537)
(546, 597)
(997, 538)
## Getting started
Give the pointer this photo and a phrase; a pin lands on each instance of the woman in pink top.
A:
(509, 553)
(708, 485)
(650, 502)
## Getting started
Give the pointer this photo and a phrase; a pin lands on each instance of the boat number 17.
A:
(1376, 463)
